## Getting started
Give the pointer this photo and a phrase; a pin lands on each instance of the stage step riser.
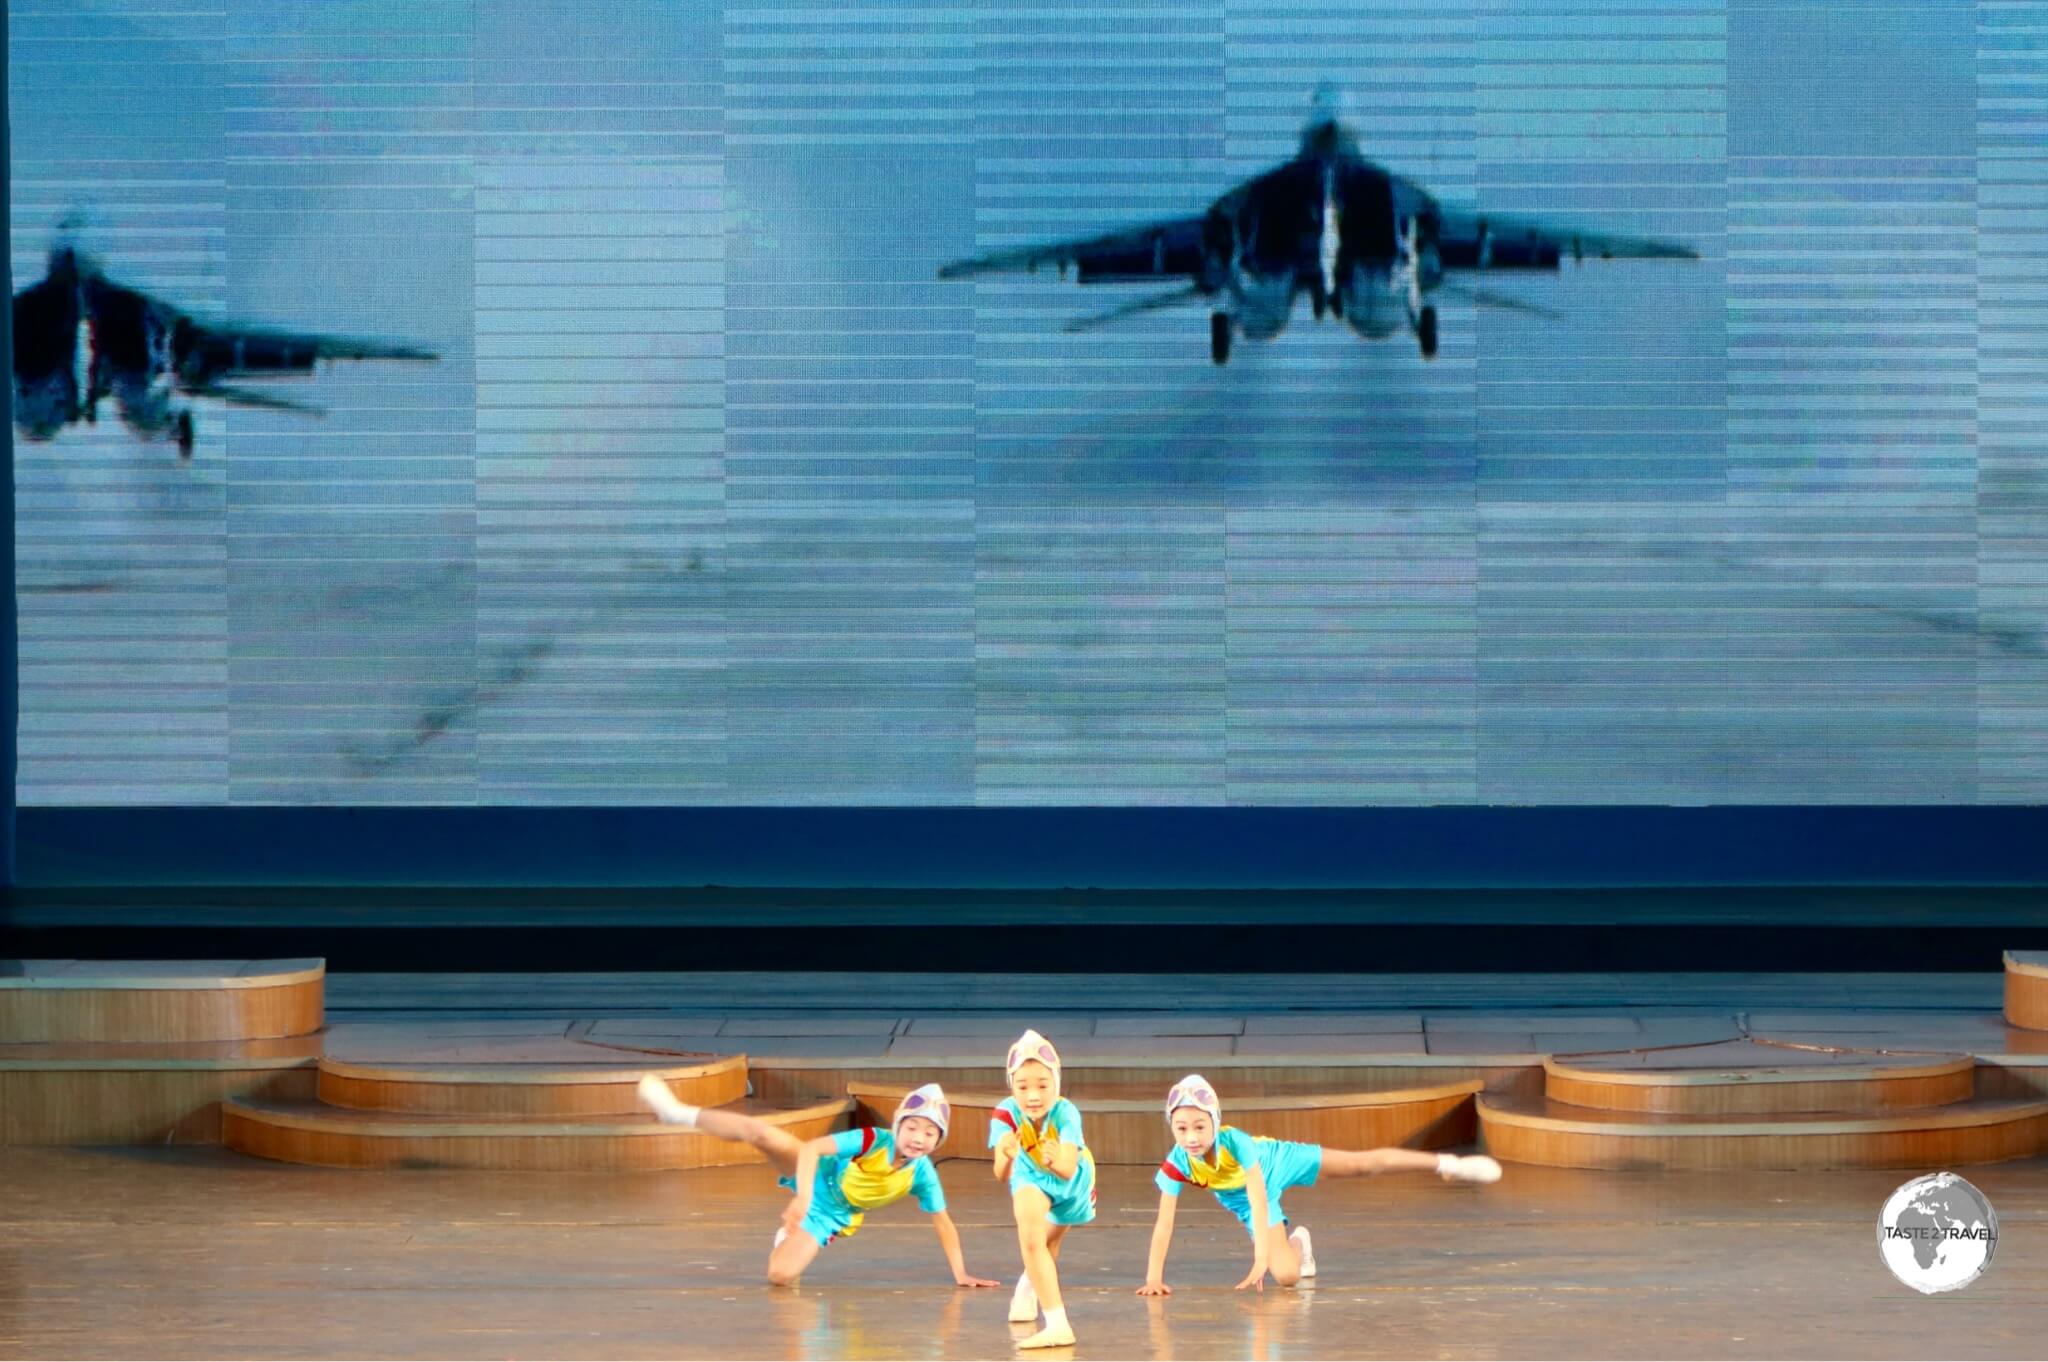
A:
(69, 1002)
(130, 1106)
(798, 1082)
(1135, 1134)
(1764, 1092)
(486, 1093)
(1946, 1137)
(2026, 992)
(313, 1139)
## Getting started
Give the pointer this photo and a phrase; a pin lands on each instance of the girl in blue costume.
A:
(1249, 1174)
(1041, 1153)
(837, 1178)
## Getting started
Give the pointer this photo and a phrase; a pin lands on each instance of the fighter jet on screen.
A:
(1366, 245)
(79, 337)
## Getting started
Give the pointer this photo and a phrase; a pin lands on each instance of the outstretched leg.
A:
(1363, 1163)
(779, 1145)
(1352, 1163)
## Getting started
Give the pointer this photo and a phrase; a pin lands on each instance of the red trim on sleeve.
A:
(1004, 1116)
(1166, 1167)
(867, 1140)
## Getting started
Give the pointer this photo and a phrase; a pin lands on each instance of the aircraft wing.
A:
(1479, 241)
(1159, 250)
(249, 397)
(204, 354)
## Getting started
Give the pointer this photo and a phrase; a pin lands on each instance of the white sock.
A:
(1023, 1302)
(667, 1107)
(1057, 1319)
(780, 1235)
(1306, 1248)
(1471, 1168)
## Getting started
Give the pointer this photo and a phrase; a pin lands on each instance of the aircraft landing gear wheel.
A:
(1425, 332)
(1219, 337)
(185, 434)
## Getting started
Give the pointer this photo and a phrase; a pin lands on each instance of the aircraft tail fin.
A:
(67, 258)
(1326, 105)
(1326, 131)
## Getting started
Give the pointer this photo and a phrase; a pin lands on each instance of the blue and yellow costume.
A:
(1073, 1199)
(858, 1176)
(1225, 1168)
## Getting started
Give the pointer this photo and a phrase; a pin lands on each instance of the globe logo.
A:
(1937, 1233)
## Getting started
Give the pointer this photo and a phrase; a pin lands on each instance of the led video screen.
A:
(531, 402)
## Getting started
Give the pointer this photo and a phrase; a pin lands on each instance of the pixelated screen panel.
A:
(532, 402)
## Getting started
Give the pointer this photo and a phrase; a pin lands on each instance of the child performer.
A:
(1036, 1135)
(1249, 1175)
(837, 1178)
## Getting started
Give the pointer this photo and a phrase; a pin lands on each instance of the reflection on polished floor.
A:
(198, 1252)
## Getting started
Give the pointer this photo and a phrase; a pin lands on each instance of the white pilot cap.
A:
(1032, 1046)
(929, 1102)
(1198, 1092)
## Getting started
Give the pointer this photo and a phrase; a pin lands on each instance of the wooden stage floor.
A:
(198, 1252)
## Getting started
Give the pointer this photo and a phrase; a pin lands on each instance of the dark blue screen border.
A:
(1244, 848)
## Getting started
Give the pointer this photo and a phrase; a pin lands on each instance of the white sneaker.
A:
(1024, 1302)
(1307, 1250)
(1470, 1168)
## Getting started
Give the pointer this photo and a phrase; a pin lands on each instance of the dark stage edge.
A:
(338, 904)
(401, 928)
(1266, 948)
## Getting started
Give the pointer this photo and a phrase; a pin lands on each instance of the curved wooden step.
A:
(2026, 989)
(522, 1090)
(1747, 1077)
(1129, 1127)
(160, 1002)
(309, 1132)
(1541, 1130)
